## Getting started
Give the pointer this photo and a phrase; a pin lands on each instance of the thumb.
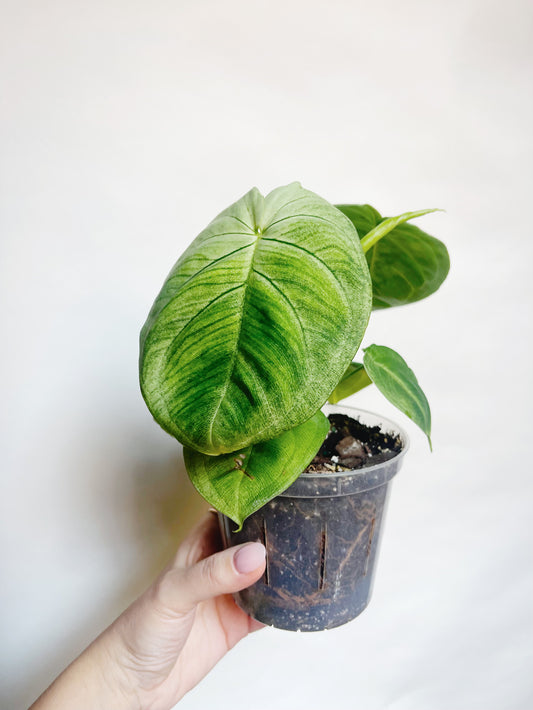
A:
(222, 573)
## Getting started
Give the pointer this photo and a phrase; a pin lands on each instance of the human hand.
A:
(170, 637)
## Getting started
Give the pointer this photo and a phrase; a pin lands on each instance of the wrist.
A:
(111, 671)
(97, 679)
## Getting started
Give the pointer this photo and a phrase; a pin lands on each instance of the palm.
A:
(218, 625)
(183, 651)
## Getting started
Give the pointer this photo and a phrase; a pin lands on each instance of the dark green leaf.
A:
(353, 380)
(406, 265)
(393, 377)
(257, 321)
(239, 483)
(363, 217)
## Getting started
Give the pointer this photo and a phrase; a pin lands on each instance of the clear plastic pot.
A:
(322, 538)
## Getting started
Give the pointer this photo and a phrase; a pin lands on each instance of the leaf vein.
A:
(208, 266)
(286, 204)
(311, 216)
(285, 297)
(317, 258)
(405, 389)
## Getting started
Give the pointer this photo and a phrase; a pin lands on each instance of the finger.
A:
(203, 540)
(180, 589)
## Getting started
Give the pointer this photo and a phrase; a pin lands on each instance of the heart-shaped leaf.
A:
(257, 321)
(354, 379)
(395, 379)
(406, 265)
(240, 483)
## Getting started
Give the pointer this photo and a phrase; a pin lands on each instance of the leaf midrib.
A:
(401, 382)
(236, 349)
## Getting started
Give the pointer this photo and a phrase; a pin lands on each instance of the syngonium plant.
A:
(256, 327)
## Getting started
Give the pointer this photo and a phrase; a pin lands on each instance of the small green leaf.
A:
(394, 378)
(406, 265)
(240, 483)
(354, 379)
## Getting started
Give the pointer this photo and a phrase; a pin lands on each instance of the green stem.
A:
(383, 228)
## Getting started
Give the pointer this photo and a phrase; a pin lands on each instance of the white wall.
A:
(126, 126)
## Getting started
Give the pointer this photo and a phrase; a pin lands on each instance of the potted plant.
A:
(254, 329)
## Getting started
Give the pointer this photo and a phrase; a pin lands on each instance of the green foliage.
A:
(406, 265)
(354, 379)
(239, 483)
(394, 378)
(258, 322)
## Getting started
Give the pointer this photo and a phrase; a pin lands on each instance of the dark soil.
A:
(352, 445)
(320, 556)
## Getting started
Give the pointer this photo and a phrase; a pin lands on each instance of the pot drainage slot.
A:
(322, 558)
(264, 540)
(369, 545)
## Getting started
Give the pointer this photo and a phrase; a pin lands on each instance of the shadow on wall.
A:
(134, 511)
(142, 506)
(163, 508)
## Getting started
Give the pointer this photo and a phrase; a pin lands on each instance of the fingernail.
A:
(249, 557)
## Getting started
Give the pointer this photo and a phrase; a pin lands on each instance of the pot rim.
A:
(332, 408)
(339, 483)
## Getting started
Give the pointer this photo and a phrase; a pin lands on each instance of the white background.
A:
(126, 127)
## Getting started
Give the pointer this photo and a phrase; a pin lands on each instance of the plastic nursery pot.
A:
(322, 538)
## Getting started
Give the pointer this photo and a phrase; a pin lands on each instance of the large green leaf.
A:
(354, 379)
(239, 483)
(395, 379)
(406, 265)
(257, 321)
